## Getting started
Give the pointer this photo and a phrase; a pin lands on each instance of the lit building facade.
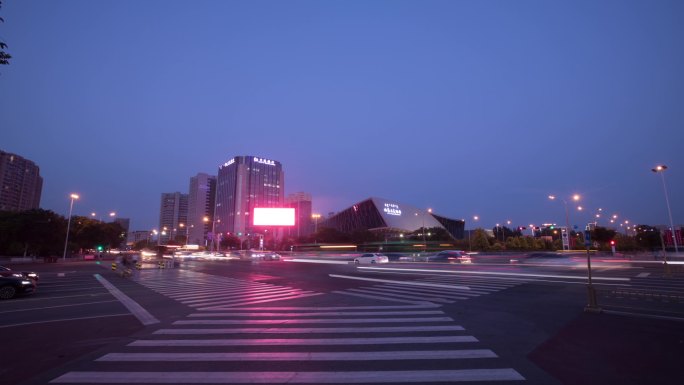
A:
(201, 200)
(173, 212)
(20, 183)
(301, 202)
(387, 216)
(243, 183)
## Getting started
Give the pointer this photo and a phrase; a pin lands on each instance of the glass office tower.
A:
(243, 183)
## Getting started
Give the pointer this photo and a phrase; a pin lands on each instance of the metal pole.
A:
(669, 212)
(592, 305)
(66, 241)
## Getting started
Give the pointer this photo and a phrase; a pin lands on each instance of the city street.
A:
(312, 320)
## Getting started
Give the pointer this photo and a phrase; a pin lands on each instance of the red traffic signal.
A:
(612, 243)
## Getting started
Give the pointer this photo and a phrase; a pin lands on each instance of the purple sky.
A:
(467, 107)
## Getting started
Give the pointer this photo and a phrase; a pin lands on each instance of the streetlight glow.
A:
(71, 207)
(660, 169)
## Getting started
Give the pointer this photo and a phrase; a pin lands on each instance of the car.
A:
(371, 258)
(450, 256)
(11, 286)
(7, 272)
(264, 255)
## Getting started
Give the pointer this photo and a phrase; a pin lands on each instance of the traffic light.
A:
(100, 248)
(552, 227)
(612, 243)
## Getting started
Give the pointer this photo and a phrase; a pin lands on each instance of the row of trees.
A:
(42, 233)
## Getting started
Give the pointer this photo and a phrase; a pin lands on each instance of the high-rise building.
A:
(20, 183)
(173, 212)
(243, 183)
(301, 202)
(201, 198)
(125, 224)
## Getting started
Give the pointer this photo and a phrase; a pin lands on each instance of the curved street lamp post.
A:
(71, 207)
(660, 169)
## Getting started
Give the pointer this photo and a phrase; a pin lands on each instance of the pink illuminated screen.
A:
(270, 216)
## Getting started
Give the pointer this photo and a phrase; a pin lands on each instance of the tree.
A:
(648, 237)
(4, 56)
(31, 232)
(602, 235)
(480, 240)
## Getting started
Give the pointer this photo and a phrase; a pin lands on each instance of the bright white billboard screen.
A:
(271, 216)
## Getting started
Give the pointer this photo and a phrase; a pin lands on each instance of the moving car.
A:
(371, 258)
(7, 272)
(450, 256)
(10, 286)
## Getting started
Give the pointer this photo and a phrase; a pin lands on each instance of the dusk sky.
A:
(466, 107)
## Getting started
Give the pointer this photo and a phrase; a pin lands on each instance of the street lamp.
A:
(660, 169)
(470, 245)
(315, 218)
(71, 207)
(576, 198)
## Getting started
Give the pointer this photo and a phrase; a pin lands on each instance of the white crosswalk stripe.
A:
(436, 289)
(210, 292)
(241, 345)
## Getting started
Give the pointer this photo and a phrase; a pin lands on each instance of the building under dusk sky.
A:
(467, 107)
(243, 183)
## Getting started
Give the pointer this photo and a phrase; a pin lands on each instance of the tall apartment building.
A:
(201, 198)
(173, 212)
(243, 183)
(301, 202)
(20, 183)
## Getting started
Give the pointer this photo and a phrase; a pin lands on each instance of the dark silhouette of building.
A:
(20, 183)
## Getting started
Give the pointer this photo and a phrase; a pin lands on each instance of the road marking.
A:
(65, 319)
(225, 306)
(396, 376)
(312, 321)
(301, 356)
(57, 307)
(410, 283)
(377, 291)
(417, 303)
(643, 275)
(307, 341)
(318, 261)
(495, 273)
(378, 329)
(317, 313)
(138, 311)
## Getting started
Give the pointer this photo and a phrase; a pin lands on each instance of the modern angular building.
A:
(243, 183)
(201, 200)
(301, 202)
(20, 183)
(173, 212)
(387, 216)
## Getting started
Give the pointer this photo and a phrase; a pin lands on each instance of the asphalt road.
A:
(493, 321)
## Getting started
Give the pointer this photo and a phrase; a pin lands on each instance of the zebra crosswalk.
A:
(435, 289)
(302, 345)
(210, 292)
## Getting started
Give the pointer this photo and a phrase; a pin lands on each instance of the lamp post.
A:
(576, 198)
(470, 245)
(424, 240)
(71, 207)
(660, 169)
(315, 218)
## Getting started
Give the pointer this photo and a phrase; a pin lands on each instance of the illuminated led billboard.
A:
(271, 216)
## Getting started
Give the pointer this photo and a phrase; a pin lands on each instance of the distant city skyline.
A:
(470, 108)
